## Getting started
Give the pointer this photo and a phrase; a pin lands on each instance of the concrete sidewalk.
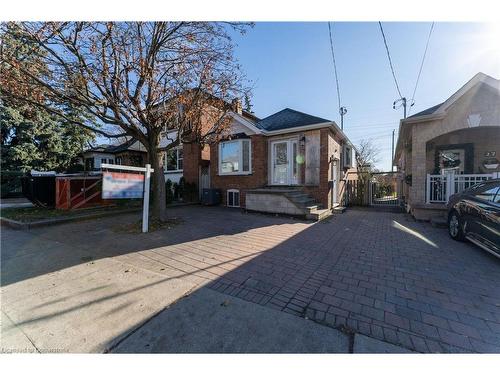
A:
(211, 322)
(80, 308)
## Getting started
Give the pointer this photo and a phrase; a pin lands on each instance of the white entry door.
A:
(284, 167)
(335, 181)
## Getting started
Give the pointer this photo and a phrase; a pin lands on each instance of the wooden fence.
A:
(355, 193)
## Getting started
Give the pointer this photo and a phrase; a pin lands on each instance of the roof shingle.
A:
(288, 118)
(428, 111)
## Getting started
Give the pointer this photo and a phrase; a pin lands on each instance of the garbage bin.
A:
(40, 189)
(211, 197)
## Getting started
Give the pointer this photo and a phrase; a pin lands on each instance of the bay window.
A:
(235, 157)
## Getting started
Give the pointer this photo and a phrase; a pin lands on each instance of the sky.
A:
(290, 65)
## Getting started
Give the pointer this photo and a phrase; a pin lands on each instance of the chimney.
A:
(237, 107)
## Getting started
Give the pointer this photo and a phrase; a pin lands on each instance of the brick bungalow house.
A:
(450, 146)
(289, 162)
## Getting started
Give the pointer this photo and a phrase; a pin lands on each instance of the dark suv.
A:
(474, 214)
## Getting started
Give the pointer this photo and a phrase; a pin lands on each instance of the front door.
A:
(335, 181)
(284, 168)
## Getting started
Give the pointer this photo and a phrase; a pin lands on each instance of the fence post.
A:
(428, 189)
(450, 185)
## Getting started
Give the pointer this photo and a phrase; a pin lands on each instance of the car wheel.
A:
(455, 226)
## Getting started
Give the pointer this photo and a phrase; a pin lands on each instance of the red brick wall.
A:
(191, 162)
(258, 177)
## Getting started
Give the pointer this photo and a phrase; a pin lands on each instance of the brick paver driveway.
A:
(377, 273)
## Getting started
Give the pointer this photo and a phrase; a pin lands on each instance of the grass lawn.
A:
(30, 214)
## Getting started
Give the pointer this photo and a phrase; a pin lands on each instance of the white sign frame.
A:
(147, 170)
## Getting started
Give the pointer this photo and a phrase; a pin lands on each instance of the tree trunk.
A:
(158, 182)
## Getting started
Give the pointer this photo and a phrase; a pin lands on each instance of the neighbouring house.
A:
(289, 162)
(129, 152)
(450, 146)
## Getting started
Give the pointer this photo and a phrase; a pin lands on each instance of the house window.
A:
(174, 159)
(235, 157)
(451, 161)
(89, 164)
(103, 161)
(119, 160)
(348, 157)
(111, 161)
(233, 198)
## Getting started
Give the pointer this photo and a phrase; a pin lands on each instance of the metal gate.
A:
(204, 179)
(384, 190)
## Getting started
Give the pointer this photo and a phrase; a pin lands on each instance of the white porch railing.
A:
(440, 187)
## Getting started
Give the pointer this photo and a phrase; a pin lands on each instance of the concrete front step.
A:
(318, 215)
(338, 210)
(300, 203)
(304, 202)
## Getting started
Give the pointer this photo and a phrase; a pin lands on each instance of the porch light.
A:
(303, 141)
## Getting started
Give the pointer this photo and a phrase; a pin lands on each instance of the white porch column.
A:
(450, 185)
(428, 189)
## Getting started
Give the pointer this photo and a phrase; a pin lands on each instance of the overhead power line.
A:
(342, 110)
(334, 63)
(390, 60)
(421, 66)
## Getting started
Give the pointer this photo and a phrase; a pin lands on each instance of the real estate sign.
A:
(121, 185)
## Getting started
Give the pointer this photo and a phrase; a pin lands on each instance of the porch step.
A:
(318, 215)
(301, 202)
(301, 199)
(338, 210)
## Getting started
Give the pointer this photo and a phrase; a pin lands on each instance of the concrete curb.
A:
(19, 225)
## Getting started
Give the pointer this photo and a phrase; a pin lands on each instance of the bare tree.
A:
(137, 79)
(366, 156)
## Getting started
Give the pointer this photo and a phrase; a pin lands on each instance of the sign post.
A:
(145, 204)
(123, 185)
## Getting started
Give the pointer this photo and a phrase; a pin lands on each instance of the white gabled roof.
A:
(440, 110)
(478, 78)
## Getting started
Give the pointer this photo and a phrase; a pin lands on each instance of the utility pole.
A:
(403, 104)
(392, 151)
(342, 111)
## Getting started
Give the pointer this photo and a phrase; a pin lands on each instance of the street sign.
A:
(123, 185)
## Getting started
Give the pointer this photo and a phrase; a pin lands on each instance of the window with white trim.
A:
(347, 156)
(174, 159)
(233, 198)
(235, 157)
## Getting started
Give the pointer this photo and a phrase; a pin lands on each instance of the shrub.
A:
(182, 188)
(169, 193)
(176, 191)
